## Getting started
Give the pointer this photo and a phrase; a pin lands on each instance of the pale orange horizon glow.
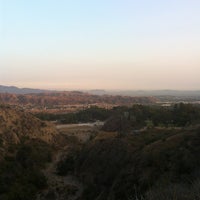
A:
(130, 46)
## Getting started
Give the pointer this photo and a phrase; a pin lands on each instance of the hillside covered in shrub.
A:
(25, 147)
(157, 164)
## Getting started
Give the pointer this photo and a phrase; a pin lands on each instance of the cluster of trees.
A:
(20, 171)
(89, 115)
(139, 116)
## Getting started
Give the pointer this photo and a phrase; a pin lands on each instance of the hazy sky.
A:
(103, 44)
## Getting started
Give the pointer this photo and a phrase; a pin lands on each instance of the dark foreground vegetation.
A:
(141, 153)
(156, 164)
(20, 171)
(159, 162)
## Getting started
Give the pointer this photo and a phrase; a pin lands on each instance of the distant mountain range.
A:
(16, 90)
(178, 93)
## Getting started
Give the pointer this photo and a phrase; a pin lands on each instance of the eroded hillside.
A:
(15, 124)
(64, 98)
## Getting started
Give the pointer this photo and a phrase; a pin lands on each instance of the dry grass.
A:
(102, 135)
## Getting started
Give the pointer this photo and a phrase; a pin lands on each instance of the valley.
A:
(143, 151)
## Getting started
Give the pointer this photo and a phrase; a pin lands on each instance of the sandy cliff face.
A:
(16, 124)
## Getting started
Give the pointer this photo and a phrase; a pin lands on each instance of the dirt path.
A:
(60, 187)
(66, 187)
